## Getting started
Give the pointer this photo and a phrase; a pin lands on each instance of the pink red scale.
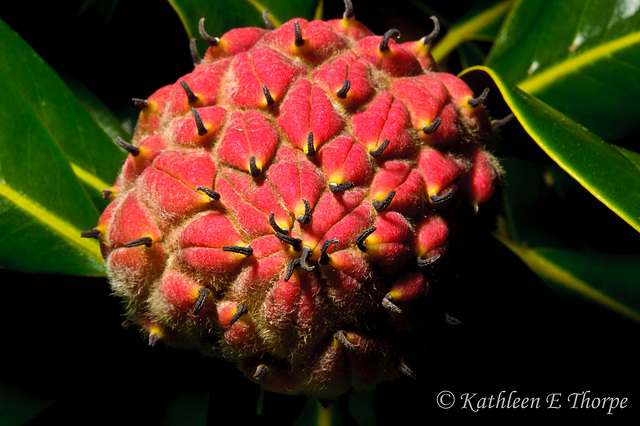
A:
(296, 190)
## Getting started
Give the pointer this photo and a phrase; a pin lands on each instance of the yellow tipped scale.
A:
(347, 22)
(300, 209)
(422, 48)
(207, 195)
(299, 46)
(254, 174)
(336, 177)
(384, 49)
(147, 108)
(372, 243)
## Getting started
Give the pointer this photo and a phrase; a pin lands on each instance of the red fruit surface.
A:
(290, 202)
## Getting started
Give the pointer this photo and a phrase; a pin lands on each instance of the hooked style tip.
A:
(348, 10)
(213, 41)
(429, 39)
(344, 90)
(195, 56)
(267, 22)
(474, 102)
(306, 217)
(132, 149)
(384, 44)
(433, 126)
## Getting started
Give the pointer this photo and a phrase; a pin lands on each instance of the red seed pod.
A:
(290, 200)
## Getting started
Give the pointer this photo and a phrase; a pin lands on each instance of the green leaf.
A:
(603, 169)
(221, 16)
(581, 57)
(545, 225)
(610, 280)
(479, 24)
(94, 157)
(45, 137)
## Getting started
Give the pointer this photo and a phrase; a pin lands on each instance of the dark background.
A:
(65, 355)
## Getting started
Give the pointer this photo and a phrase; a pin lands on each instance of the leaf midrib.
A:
(50, 221)
(574, 64)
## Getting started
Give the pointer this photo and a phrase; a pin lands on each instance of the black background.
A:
(63, 346)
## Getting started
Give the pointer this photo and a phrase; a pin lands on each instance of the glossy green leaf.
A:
(479, 24)
(546, 226)
(94, 157)
(610, 280)
(581, 57)
(603, 169)
(221, 16)
(52, 156)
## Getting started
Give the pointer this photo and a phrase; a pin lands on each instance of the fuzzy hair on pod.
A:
(294, 203)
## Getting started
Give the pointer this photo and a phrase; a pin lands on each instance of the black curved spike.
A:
(202, 299)
(93, 233)
(274, 225)
(132, 149)
(474, 102)
(380, 206)
(360, 239)
(192, 98)
(433, 126)
(335, 188)
(303, 259)
(429, 39)
(344, 90)
(379, 150)
(267, 21)
(348, 9)
(324, 257)
(384, 44)
(306, 217)
(439, 199)
(294, 242)
(144, 241)
(213, 195)
(140, 103)
(291, 266)
(240, 311)
(213, 41)
(501, 122)
(195, 57)
(246, 250)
